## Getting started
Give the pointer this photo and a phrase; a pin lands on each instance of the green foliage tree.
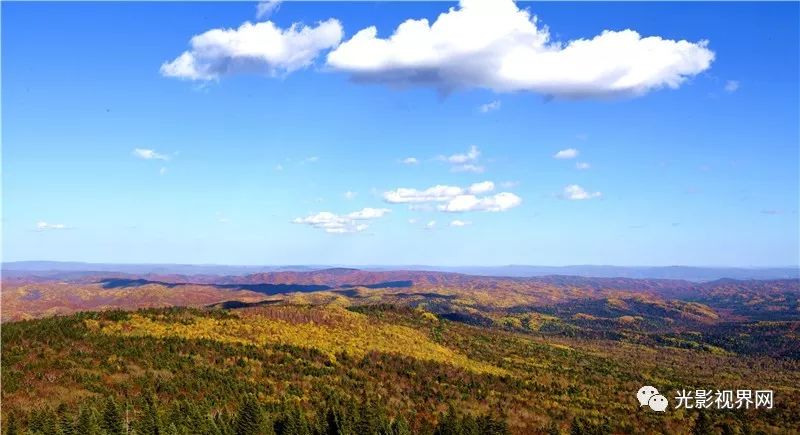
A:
(112, 418)
(150, 423)
(88, 422)
(251, 419)
(11, 424)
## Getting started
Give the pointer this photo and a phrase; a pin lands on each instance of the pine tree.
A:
(251, 419)
(87, 422)
(400, 426)
(448, 423)
(11, 425)
(65, 425)
(703, 424)
(150, 423)
(112, 419)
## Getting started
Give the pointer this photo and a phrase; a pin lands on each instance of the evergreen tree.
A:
(400, 426)
(448, 423)
(112, 419)
(292, 422)
(65, 425)
(11, 425)
(150, 423)
(703, 424)
(333, 422)
(251, 419)
(88, 423)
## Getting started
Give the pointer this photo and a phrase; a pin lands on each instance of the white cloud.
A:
(493, 44)
(731, 86)
(465, 162)
(509, 184)
(259, 48)
(583, 165)
(482, 187)
(430, 225)
(279, 167)
(455, 198)
(412, 221)
(266, 8)
(162, 171)
(569, 153)
(438, 193)
(368, 213)
(459, 223)
(44, 226)
(350, 195)
(410, 161)
(342, 224)
(147, 154)
(469, 167)
(312, 159)
(469, 156)
(575, 193)
(499, 202)
(490, 107)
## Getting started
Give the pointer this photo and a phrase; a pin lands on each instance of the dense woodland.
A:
(384, 369)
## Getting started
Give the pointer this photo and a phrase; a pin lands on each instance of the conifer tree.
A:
(112, 419)
(88, 423)
(65, 426)
(11, 425)
(150, 423)
(251, 419)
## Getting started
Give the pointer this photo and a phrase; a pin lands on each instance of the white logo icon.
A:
(648, 395)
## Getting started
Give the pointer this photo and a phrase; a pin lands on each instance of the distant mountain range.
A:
(688, 273)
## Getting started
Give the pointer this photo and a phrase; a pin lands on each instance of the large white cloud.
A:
(455, 198)
(494, 44)
(341, 224)
(261, 48)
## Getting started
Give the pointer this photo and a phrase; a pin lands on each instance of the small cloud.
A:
(312, 159)
(490, 107)
(469, 156)
(475, 169)
(582, 165)
(266, 8)
(278, 167)
(772, 212)
(410, 161)
(575, 192)
(731, 86)
(569, 153)
(350, 195)
(509, 184)
(147, 154)
(412, 221)
(44, 226)
(162, 171)
(430, 225)
(354, 222)
(459, 223)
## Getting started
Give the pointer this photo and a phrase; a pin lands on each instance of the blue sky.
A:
(238, 156)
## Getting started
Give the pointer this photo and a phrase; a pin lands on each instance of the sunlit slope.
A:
(331, 330)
